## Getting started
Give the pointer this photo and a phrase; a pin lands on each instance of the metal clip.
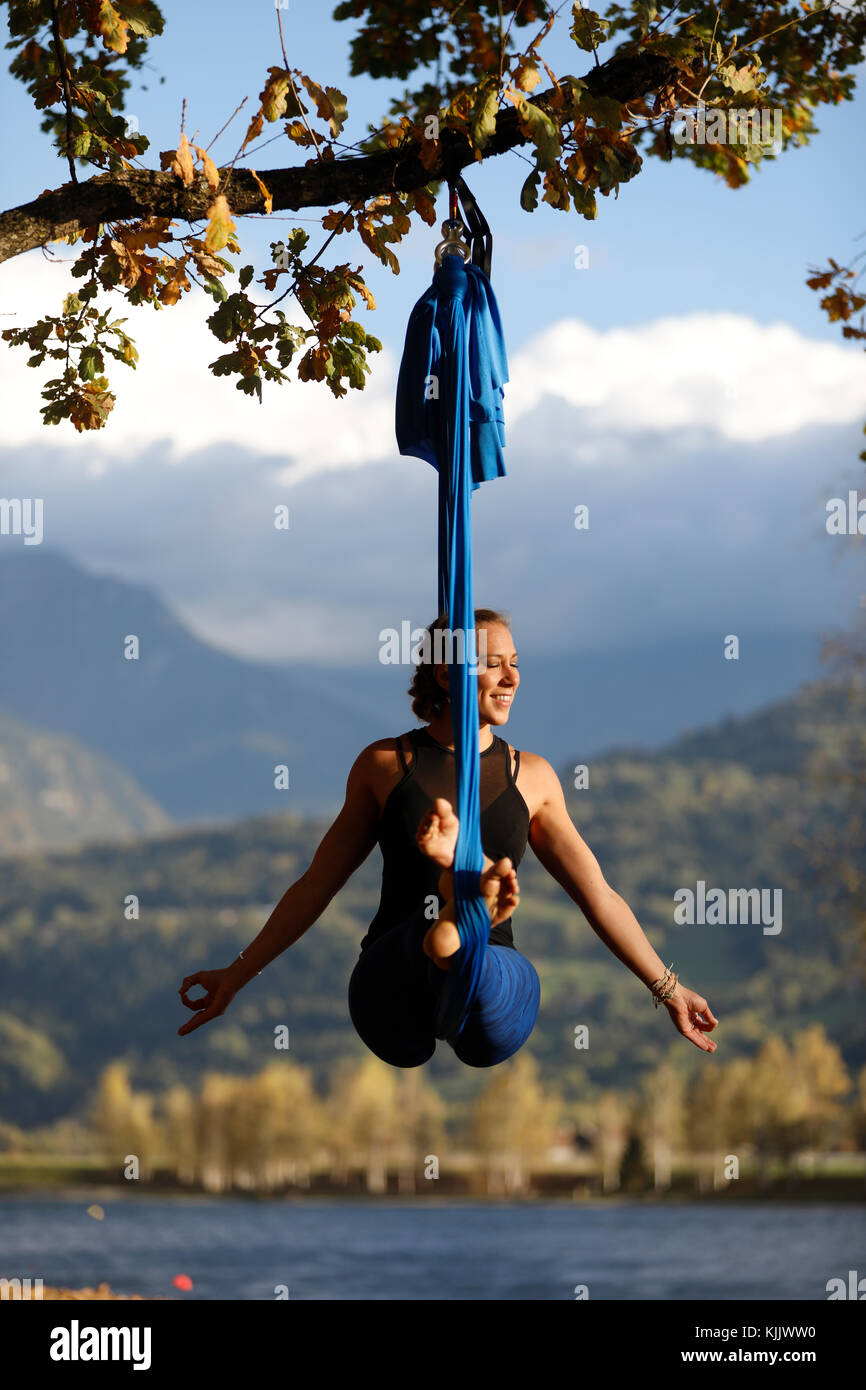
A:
(453, 244)
(473, 241)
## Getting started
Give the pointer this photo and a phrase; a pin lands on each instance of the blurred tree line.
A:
(273, 1130)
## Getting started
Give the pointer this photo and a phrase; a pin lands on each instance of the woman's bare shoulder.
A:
(384, 749)
(379, 764)
(535, 765)
(537, 780)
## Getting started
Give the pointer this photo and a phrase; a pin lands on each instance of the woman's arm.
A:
(567, 858)
(343, 849)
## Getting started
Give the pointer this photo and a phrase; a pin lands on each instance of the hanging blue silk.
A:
(449, 413)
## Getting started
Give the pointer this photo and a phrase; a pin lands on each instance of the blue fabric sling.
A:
(449, 412)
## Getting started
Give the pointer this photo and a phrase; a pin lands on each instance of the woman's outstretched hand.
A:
(220, 991)
(692, 1016)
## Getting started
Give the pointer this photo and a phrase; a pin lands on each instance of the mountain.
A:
(200, 730)
(83, 984)
(54, 791)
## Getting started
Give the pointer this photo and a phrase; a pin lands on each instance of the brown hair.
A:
(428, 697)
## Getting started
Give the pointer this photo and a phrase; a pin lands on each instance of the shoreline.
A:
(805, 1192)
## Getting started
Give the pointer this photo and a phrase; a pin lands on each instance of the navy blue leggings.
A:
(393, 991)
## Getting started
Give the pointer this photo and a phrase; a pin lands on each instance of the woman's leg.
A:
(505, 1008)
(437, 837)
(504, 1011)
(392, 1000)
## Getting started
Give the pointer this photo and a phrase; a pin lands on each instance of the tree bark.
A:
(140, 193)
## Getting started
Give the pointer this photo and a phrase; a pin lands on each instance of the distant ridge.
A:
(199, 729)
(56, 792)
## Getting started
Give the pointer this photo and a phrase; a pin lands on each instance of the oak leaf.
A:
(220, 224)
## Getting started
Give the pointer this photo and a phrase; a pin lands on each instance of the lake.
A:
(235, 1249)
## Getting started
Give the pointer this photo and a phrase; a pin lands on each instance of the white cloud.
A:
(173, 399)
(720, 372)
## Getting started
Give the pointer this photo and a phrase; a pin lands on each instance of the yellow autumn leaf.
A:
(526, 75)
(330, 103)
(114, 30)
(183, 164)
(175, 285)
(354, 279)
(269, 202)
(338, 221)
(220, 225)
(254, 129)
(130, 265)
(150, 232)
(211, 172)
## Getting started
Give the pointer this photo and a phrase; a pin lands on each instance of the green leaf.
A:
(143, 17)
(602, 111)
(251, 386)
(482, 120)
(340, 105)
(646, 12)
(217, 290)
(584, 200)
(542, 130)
(91, 363)
(245, 275)
(588, 29)
(227, 364)
(529, 192)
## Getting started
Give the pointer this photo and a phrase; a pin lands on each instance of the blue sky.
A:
(686, 384)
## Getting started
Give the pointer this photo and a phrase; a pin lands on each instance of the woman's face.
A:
(498, 677)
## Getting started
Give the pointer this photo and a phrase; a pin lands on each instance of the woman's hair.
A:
(428, 697)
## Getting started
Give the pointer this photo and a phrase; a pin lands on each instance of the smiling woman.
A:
(400, 795)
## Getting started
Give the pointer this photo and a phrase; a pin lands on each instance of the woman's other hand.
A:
(692, 1016)
(220, 989)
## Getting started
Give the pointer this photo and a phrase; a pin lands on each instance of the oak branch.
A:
(141, 193)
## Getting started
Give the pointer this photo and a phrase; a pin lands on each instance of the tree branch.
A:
(140, 193)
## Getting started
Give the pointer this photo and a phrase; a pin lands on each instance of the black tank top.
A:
(409, 877)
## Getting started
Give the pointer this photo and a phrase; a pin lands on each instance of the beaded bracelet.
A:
(657, 988)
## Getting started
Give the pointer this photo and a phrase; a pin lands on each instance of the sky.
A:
(684, 386)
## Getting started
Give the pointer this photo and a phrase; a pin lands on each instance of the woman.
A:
(399, 794)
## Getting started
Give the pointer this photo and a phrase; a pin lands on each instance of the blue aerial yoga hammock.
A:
(449, 413)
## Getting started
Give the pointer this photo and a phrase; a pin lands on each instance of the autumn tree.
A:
(421, 1128)
(610, 1137)
(662, 1120)
(364, 1121)
(178, 1128)
(220, 1142)
(122, 1122)
(474, 83)
(796, 1093)
(514, 1123)
(722, 1114)
(286, 1124)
